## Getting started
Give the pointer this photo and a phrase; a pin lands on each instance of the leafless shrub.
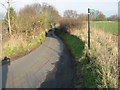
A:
(69, 24)
(70, 14)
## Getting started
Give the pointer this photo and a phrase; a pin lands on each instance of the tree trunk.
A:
(9, 25)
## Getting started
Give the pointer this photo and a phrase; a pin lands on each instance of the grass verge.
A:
(103, 57)
(85, 74)
(8, 51)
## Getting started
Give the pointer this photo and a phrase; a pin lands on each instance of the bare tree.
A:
(37, 7)
(70, 14)
(9, 25)
(98, 16)
(83, 17)
(113, 18)
(8, 15)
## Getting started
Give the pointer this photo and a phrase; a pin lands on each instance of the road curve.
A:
(49, 66)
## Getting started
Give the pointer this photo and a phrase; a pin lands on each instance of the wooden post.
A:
(88, 29)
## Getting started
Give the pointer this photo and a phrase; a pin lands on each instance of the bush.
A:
(68, 24)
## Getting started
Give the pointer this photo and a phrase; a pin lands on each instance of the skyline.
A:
(108, 7)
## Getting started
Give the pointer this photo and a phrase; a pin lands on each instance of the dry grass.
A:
(104, 47)
(20, 43)
(15, 41)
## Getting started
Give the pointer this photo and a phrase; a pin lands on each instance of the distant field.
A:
(111, 27)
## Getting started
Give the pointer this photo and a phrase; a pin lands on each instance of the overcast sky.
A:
(108, 7)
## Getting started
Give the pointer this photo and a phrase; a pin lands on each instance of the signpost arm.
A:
(88, 29)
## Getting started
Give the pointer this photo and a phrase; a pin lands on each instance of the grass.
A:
(103, 57)
(9, 51)
(74, 44)
(82, 66)
(111, 27)
(97, 67)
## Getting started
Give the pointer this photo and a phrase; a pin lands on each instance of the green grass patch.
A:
(74, 44)
(84, 71)
(111, 27)
(30, 45)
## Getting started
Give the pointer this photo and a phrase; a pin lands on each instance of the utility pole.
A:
(9, 24)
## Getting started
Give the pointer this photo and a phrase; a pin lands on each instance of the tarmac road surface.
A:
(49, 66)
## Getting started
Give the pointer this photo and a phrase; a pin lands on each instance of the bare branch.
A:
(3, 5)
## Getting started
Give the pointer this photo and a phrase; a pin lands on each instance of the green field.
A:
(111, 27)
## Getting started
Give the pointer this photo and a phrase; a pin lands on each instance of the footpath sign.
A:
(89, 11)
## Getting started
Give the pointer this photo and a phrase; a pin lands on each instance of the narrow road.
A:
(49, 66)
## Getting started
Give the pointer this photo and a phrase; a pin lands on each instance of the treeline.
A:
(32, 19)
(96, 16)
(28, 28)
